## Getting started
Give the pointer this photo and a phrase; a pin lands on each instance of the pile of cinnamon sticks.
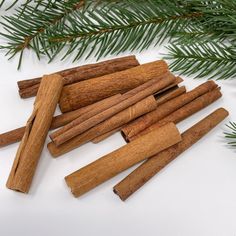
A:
(143, 102)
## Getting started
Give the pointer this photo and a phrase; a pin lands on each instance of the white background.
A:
(194, 195)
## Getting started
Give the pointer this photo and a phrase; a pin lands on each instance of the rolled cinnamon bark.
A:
(123, 158)
(12, 136)
(169, 88)
(80, 125)
(57, 121)
(160, 100)
(115, 121)
(184, 112)
(91, 110)
(165, 109)
(37, 127)
(106, 135)
(29, 92)
(153, 165)
(28, 88)
(89, 91)
(170, 95)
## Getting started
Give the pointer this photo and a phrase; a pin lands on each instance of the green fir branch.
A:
(203, 59)
(26, 29)
(231, 134)
(219, 15)
(114, 29)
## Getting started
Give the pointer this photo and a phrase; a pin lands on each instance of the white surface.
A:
(195, 195)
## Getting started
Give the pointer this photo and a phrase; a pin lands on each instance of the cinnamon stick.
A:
(169, 88)
(123, 158)
(80, 125)
(163, 98)
(113, 122)
(12, 136)
(28, 88)
(160, 99)
(37, 127)
(89, 91)
(165, 109)
(91, 110)
(153, 165)
(16, 135)
(184, 112)
(29, 92)
(106, 135)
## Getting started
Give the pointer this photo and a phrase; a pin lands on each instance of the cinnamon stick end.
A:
(120, 195)
(126, 138)
(52, 149)
(69, 183)
(17, 189)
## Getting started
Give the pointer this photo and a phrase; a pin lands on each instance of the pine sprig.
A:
(14, 2)
(219, 15)
(231, 135)
(28, 26)
(114, 29)
(204, 58)
(203, 33)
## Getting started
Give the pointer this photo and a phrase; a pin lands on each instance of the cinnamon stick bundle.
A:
(160, 100)
(29, 88)
(123, 158)
(184, 112)
(121, 118)
(80, 125)
(17, 134)
(89, 91)
(153, 165)
(165, 109)
(37, 127)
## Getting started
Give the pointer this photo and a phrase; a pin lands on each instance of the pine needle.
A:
(231, 135)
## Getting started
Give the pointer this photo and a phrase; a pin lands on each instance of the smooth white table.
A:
(195, 195)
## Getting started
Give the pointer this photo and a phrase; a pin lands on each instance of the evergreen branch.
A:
(114, 29)
(219, 15)
(231, 135)
(204, 59)
(13, 3)
(27, 27)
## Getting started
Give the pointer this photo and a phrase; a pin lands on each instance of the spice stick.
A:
(170, 95)
(173, 85)
(28, 88)
(123, 158)
(17, 134)
(37, 127)
(165, 109)
(161, 99)
(115, 121)
(12, 136)
(89, 91)
(79, 125)
(100, 107)
(153, 165)
(29, 92)
(106, 135)
(92, 109)
(123, 117)
(184, 112)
